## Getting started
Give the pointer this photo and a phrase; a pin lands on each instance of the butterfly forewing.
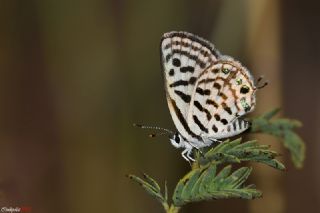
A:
(184, 57)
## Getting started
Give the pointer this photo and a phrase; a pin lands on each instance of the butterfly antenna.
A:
(164, 131)
(261, 85)
(259, 79)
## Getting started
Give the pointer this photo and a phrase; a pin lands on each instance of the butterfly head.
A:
(177, 140)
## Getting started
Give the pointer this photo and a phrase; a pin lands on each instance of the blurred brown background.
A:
(75, 75)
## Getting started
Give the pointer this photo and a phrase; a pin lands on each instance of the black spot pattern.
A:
(187, 69)
(223, 96)
(208, 80)
(217, 117)
(244, 89)
(171, 72)
(200, 125)
(211, 102)
(186, 98)
(179, 83)
(201, 109)
(234, 126)
(214, 128)
(168, 57)
(176, 62)
(247, 108)
(226, 108)
(202, 92)
(217, 85)
(195, 58)
(224, 121)
(192, 80)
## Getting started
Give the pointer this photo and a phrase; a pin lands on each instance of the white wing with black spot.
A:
(184, 57)
(223, 93)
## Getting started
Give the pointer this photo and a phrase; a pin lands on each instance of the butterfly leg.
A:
(183, 154)
(215, 140)
(186, 154)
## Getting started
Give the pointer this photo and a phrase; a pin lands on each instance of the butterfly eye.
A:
(244, 89)
(177, 138)
(225, 70)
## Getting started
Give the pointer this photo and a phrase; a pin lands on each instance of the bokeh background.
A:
(75, 75)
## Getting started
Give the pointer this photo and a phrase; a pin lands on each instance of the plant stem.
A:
(166, 206)
(173, 209)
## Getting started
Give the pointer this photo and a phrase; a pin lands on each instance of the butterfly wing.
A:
(184, 57)
(223, 93)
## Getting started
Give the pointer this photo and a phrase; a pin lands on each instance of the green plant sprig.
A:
(212, 177)
(283, 129)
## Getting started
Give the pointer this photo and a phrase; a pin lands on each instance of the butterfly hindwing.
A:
(184, 57)
(223, 93)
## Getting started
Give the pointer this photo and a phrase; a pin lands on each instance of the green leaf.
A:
(270, 114)
(165, 191)
(294, 143)
(152, 182)
(190, 182)
(283, 129)
(150, 186)
(235, 152)
(205, 184)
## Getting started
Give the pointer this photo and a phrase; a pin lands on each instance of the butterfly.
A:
(208, 93)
